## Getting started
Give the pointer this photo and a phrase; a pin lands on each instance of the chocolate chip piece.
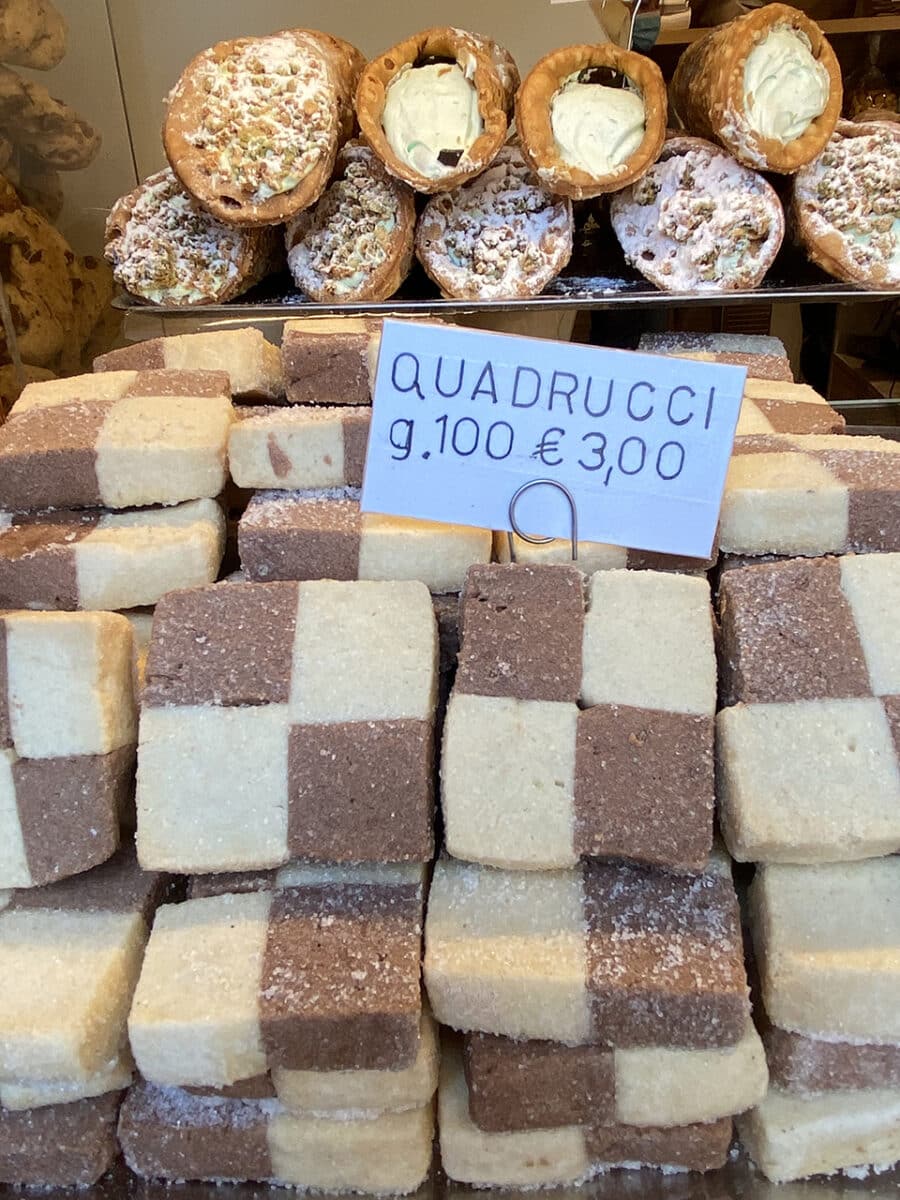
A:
(449, 158)
(605, 76)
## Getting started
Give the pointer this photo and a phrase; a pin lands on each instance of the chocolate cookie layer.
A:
(284, 536)
(60, 1145)
(328, 364)
(805, 1065)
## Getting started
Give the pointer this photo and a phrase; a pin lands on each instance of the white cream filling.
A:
(430, 109)
(785, 89)
(597, 127)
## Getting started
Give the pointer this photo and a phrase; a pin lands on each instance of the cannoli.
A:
(498, 237)
(766, 86)
(253, 125)
(163, 247)
(699, 221)
(591, 119)
(356, 243)
(435, 108)
(808, 765)
(846, 205)
(561, 741)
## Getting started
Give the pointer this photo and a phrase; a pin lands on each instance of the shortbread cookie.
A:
(70, 955)
(18, 1095)
(435, 107)
(167, 1133)
(570, 1154)
(516, 1085)
(529, 779)
(165, 248)
(330, 360)
(809, 766)
(364, 1093)
(811, 495)
(64, 1145)
(601, 953)
(595, 556)
(826, 939)
(299, 447)
(288, 720)
(792, 1137)
(764, 356)
(44, 127)
(91, 559)
(32, 34)
(252, 363)
(356, 242)
(118, 439)
(298, 535)
(238, 984)
(698, 221)
(253, 125)
(501, 236)
(806, 1065)
(766, 86)
(771, 406)
(67, 731)
(846, 205)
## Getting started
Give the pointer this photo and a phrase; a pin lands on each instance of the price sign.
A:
(461, 419)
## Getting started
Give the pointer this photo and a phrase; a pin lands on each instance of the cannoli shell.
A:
(535, 132)
(708, 90)
(493, 73)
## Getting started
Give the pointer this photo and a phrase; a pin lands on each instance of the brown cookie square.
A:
(229, 644)
(644, 785)
(340, 988)
(286, 536)
(361, 790)
(522, 629)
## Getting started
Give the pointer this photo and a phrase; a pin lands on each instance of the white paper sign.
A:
(462, 419)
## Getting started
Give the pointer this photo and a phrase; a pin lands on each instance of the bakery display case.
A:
(356, 853)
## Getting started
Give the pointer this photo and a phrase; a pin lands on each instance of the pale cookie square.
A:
(871, 583)
(437, 554)
(508, 781)
(194, 1019)
(14, 869)
(827, 941)
(68, 978)
(363, 652)
(808, 782)
(212, 788)
(648, 642)
(505, 952)
(68, 684)
(792, 1137)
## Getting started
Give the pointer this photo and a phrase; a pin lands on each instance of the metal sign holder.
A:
(535, 539)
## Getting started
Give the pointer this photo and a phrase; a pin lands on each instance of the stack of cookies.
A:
(306, 463)
(603, 1005)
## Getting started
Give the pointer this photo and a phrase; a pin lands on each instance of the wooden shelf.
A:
(682, 37)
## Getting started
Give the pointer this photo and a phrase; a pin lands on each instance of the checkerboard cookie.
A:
(774, 406)
(303, 535)
(602, 953)
(826, 940)
(67, 738)
(817, 494)
(252, 363)
(808, 757)
(518, 1085)
(299, 447)
(569, 1154)
(116, 439)
(531, 780)
(595, 556)
(330, 360)
(307, 976)
(765, 357)
(96, 559)
(167, 1133)
(70, 955)
(288, 720)
(64, 1145)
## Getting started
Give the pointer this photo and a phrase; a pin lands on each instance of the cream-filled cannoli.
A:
(356, 243)
(591, 119)
(846, 205)
(500, 236)
(698, 220)
(435, 108)
(766, 86)
(253, 124)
